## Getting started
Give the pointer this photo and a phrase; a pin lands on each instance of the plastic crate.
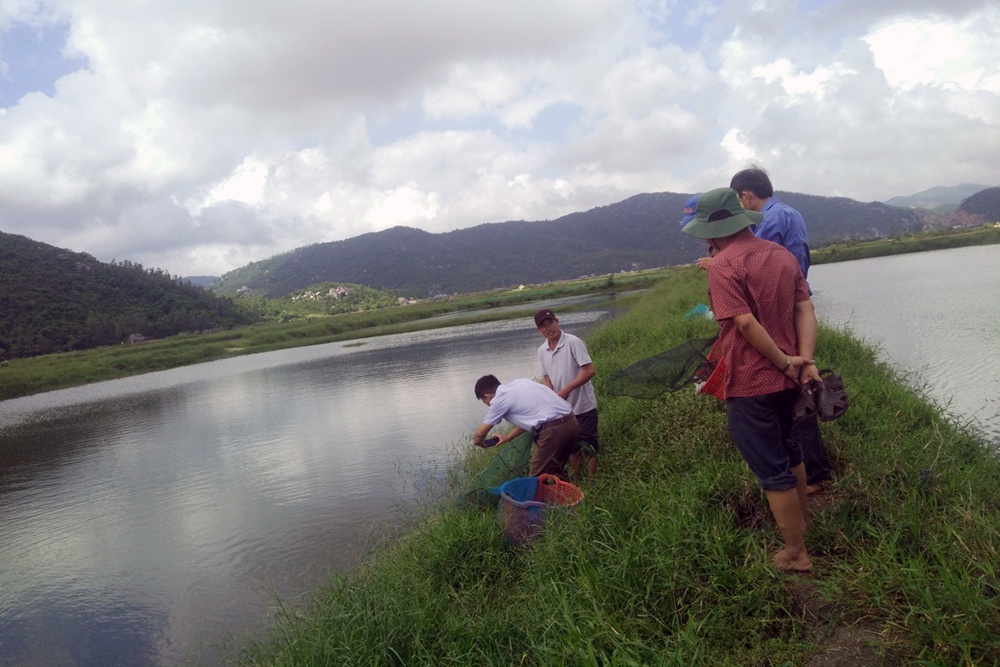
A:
(524, 502)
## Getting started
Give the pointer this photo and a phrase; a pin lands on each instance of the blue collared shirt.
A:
(785, 226)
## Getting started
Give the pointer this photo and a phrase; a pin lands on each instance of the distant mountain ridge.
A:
(53, 299)
(939, 198)
(639, 232)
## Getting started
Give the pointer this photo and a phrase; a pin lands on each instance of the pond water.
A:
(146, 521)
(935, 316)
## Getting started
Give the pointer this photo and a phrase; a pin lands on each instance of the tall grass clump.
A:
(667, 560)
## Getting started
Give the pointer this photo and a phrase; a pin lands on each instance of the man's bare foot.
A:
(813, 489)
(787, 561)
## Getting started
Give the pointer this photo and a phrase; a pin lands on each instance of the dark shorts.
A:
(589, 444)
(761, 426)
(806, 433)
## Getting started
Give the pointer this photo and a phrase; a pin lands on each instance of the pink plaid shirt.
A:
(751, 275)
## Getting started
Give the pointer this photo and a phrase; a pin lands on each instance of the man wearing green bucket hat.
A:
(768, 335)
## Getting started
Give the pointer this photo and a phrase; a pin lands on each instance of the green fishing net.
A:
(667, 371)
(511, 461)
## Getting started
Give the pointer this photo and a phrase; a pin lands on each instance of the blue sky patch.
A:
(31, 59)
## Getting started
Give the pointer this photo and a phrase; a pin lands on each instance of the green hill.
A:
(56, 300)
(985, 203)
(639, 232)
(940, 198)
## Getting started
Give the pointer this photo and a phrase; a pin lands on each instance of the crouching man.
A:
(532, 407)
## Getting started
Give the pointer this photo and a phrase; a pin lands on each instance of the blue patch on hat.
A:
(689, 209)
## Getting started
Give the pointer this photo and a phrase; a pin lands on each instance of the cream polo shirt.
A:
(563, 364)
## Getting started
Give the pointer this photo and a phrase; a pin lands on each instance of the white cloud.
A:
(198, 137)
(934, 52)
(405, 204)
(246, 184)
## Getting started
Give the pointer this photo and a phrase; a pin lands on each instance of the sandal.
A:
(831, 398)
(806, 403)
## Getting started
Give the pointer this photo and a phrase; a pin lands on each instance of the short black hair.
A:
(486, 385)
(755, 180)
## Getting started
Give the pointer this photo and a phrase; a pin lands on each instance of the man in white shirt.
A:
(533, 407)
(567, 369)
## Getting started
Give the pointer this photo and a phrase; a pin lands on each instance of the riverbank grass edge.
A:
(667, 560)
(23, 377)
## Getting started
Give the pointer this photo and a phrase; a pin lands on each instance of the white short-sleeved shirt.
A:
(563, 364)
(525, 403)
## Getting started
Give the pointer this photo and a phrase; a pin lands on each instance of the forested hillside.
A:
(639, 232)
(55, 300)
(985, 203)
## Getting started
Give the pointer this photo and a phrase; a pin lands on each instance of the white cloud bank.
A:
(197, 137)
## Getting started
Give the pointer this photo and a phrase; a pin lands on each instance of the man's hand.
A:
(801, 370)
(480, 435)
(806, 373)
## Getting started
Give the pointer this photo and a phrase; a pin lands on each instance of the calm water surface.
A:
(936, 315)
(147, 520)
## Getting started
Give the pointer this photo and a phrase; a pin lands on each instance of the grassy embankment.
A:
(667, 561)
(935, 239)
(21, 377)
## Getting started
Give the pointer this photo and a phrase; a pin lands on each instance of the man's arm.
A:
(805, 334)
(760, 340)
(587, 372)
(507, 437)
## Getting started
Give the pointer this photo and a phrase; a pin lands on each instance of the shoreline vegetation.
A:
(23, 377)
(668, 559)
(32, 375)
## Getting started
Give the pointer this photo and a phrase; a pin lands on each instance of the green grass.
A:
(935, 239)
(667, 561)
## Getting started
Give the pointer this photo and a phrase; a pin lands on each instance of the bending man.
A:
(530, 406)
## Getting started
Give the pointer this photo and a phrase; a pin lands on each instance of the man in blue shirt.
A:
(782, 223)
(785, 226)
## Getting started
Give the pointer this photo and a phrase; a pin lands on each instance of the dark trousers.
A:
(806, 433)
(553, 446)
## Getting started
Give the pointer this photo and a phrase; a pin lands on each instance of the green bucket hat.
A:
(719, 214)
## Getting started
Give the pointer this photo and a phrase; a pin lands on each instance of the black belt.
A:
(553, 422)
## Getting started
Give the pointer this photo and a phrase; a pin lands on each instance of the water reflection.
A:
(145, 520)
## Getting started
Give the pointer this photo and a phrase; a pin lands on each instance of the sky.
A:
(197, 137)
